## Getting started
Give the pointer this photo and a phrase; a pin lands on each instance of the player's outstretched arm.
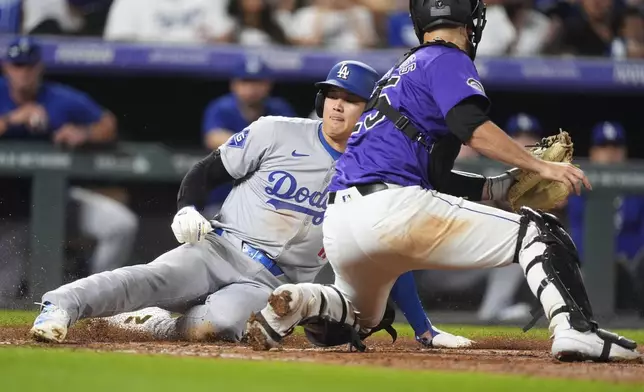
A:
(405, 296)
(188, 225)
(491, 141)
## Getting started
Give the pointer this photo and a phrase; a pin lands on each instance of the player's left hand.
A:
(190, 226)
(442, 339)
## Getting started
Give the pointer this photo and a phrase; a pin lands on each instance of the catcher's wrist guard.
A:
(498, 186)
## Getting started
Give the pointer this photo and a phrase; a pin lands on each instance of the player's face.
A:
(23, 78)
(608, 154)
(341, 112)
(251, 92)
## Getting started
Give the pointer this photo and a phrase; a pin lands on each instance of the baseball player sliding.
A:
(269, 232)
(395, 205)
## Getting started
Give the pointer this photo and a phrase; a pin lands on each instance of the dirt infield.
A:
(518, 356)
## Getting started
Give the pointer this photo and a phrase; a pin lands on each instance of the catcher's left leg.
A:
(403, 229)
(328, 318)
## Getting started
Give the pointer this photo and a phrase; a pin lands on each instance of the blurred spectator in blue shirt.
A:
(32, 109)
(249, 100)
(609, 147)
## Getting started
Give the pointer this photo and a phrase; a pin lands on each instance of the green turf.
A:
(31, 369)
(17, 317)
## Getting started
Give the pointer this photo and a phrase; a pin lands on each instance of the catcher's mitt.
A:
(530, 189)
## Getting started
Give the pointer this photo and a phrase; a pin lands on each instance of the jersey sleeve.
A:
(245, 151)
(452, 78)
(213, 118)
(81, 108)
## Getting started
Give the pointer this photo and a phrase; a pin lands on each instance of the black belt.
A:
(364, 190)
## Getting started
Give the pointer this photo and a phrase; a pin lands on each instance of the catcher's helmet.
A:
(355, 77)
(427, 15)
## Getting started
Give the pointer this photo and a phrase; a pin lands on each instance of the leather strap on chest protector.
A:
(381, 104)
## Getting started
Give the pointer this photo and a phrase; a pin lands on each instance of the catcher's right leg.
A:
(328, 318)
(551, 265)
(402, 229)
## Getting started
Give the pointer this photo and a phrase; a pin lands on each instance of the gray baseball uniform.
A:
(269, 232)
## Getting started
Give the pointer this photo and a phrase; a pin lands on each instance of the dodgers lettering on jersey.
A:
(424, 88)
(284, 167)
(288, 196)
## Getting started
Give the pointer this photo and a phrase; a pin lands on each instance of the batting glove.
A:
(442, 339)
(189, 226)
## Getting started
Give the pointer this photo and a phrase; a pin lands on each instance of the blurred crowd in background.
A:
(34, 109)
(605, 28)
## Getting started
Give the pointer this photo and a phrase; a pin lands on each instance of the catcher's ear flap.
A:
(319, 103)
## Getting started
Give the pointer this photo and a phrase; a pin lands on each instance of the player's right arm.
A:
(491, 141)
(240, 156)
(460, 96)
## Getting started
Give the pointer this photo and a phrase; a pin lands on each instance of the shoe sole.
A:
(255, 335)
(53, 335)
(281, 303)
(576, 356)
(572, 356)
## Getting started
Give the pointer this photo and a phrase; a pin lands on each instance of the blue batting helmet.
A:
(355, 77)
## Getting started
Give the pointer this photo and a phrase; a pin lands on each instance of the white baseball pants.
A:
(371, 240)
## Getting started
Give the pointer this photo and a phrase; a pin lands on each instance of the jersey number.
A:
(371, 120)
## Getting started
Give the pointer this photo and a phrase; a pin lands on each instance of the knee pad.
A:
(323, 331)
(560, 262)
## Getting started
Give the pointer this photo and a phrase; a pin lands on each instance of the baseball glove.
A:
(530, 189)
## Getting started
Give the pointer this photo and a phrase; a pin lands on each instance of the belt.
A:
(364, 190)
(259, 256)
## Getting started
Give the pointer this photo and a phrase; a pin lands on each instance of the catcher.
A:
(395, 205)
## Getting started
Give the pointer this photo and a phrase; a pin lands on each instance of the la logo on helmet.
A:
(343, 73)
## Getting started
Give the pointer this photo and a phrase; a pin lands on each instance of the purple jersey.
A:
(423, 88)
